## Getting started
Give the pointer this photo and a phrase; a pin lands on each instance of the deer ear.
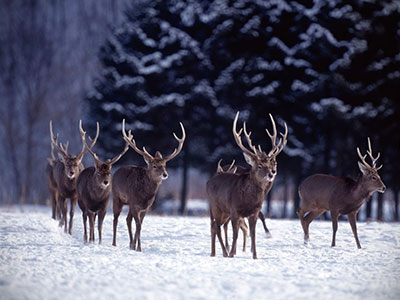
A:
(158, 155)
(249, 159)
(61, 157)
(363, 168)
(146, 160)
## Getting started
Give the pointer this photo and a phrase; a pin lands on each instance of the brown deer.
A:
(66, 172)
(238, 196)
(94, 187)
(242, 224)
(138, 186)
(52, 185)
(341, 196)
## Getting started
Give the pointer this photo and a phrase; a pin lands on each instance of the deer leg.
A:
(63, 220)
(307, 221)
(53, 205)
(301, 213)
(252, 224)
(213, 235)
(71, 214)
(58, 206)
(84, 217)
(334, 217)
(217, 228)
(136, 216)
(100, 220)
(244, 228)
(352, 217)
(226, 235)
(91, 226)
(117, 208)
(235, 226)
(262, 218)
(129, 224)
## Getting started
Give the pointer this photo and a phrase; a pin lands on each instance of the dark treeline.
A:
(329, 69)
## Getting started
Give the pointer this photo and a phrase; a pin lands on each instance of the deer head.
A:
(264, 166)
(370, 175)
(102, 173)
(71, 162)
(156, 165)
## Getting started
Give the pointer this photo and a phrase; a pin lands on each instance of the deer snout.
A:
(105, 183)
(164, 176)
(71, 175)
(383, 189)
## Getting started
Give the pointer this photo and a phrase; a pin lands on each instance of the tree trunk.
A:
(185, 175)
(380, 207)
(396, 205)
(285, 194)
(368, 211)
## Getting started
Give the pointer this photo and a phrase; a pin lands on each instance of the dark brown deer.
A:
(66, 172)
(138, 186)
(242, 224)
(341, 196)
(94, 187)
(238, 196)
(52, 185)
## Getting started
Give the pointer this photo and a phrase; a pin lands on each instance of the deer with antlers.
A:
(52, 185)
(237, 196)
(138, 186)
(242, 224)
(341, 196)
(66, 172)
(94, 187)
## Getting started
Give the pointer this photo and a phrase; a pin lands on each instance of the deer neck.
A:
(150, 185)
(254, 186)
(360, 191)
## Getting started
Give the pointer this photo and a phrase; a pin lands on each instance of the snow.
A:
(39, 261)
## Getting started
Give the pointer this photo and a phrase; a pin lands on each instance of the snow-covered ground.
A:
(39, 261)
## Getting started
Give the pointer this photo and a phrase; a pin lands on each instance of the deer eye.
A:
(154, 167)
(260, 166)
(374, 178)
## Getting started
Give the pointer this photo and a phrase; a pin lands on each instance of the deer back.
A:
(239, 192)
(132, 184)
(326, 192)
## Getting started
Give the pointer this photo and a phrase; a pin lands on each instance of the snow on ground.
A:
(39, 261)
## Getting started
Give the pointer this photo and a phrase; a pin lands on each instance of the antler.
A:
(54, 141)
(229, 170)
(85, 147)
(247, 135)
(277, 148)
(117, 157)
(131, 142)
(238, 139)
(373, 159)
(180, 141)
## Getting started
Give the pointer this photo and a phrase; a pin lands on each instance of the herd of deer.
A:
(234, 192)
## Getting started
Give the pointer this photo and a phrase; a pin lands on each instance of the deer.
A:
(94, 187)
(339, 195)
(137, 186)
(240, 170)
(66, 172)
(52, 185)
(237, 196)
